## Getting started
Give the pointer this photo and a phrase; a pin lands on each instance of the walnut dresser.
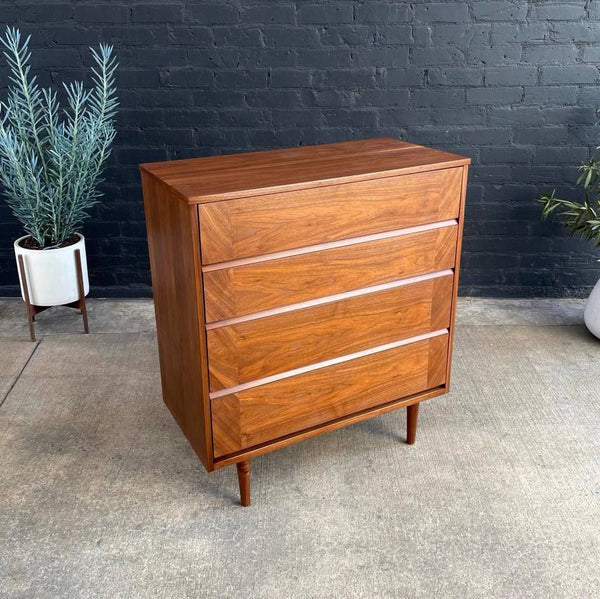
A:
(298, 291)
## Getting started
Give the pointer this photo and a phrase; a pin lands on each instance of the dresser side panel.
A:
(461, 222)
(173, 242)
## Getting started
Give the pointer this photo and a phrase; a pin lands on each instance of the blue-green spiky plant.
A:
(50, 167)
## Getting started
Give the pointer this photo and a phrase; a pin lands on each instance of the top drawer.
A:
(282, 221)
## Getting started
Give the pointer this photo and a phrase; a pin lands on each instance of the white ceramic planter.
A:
(592, 311)
(52, 274)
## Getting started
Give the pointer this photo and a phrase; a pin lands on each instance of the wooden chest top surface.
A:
(201, 180)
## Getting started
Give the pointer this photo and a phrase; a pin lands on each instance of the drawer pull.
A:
(325, 363)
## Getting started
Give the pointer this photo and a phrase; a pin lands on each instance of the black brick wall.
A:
(513, 85)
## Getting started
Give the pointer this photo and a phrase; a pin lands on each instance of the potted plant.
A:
(582, 218)
(50, 165)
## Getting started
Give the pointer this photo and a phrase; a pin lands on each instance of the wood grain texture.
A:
(331, 425)
(177, 288)
(258, 348)
(412, 415)
(267, 412)
(459, 238)
(219, 178)
(235, 291)
(266, 224)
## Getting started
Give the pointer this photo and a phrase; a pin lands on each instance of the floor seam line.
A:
(12, 386)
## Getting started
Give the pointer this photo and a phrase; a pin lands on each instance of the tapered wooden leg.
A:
(82, 305)
(412, 414)
(243, 472)
(30, 311)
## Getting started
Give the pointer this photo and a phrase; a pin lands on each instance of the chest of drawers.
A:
(298, 291)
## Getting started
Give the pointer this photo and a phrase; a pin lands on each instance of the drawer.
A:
(266, 412)
(244, 289)
(270, 223)
(263, 347)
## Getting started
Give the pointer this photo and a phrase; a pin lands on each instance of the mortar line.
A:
(37, 344)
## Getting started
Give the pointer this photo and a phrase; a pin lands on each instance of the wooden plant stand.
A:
(78, 304)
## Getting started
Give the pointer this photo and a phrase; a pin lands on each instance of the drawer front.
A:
(239, 290)
(266, 412)
(264, 224)
(253, 349)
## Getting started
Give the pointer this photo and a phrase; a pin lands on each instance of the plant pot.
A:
(52, 274)
(592, 311)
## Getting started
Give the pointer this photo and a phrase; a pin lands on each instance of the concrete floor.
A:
(100, 495)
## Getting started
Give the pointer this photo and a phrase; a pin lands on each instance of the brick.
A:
(238, 37)
(484, 136)
(562, 95)
(175, 98)
(453, 12)
(421, 35)
(191, 77)
(327, 97)
(157, 13)
(540, 135)
(439, 56)
(273, 98)
(461, 35)
(459, 76)
(241, 79)
(398, 117)
(405, 77)
(528, 115)
(560, 155)
(438, 97)
(564, 75)
(394, 34)
(378, 12)
(214, 14)
(131, 35)
(458, 116)
(190, 35)
(56, 57)
(334, 57)
(513, 75)
(350, 118)
(290, 78)
(574, 32)
(99, 14)
(588, 95)
(219, 98)
(382, 97)
(434, 136)
(545, 54)
(591, 54)
(345, 79)
(46, 13)
(496, 96)
(269, 14)
(574, 115)
(558, 12)
(323, 14)
(153, 57)
(266, 58)
(499, 10)
(351, 35)
(382, 57)
(505, 33)
(496, 55)
(137, 79)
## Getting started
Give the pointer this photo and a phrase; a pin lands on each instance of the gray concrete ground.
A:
(100, 495)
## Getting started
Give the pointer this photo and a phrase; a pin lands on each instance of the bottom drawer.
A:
(266, 412)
